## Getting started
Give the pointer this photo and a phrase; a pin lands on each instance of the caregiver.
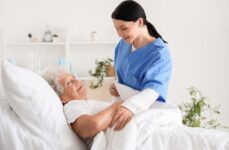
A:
(142, 61)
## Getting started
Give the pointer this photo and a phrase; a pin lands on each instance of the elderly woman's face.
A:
(73, 88)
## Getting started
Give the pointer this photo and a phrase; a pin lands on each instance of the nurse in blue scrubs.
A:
(142, 61)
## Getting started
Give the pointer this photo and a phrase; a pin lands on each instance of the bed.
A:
(31, 117)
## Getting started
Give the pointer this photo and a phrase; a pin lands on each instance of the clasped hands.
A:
(122, 115)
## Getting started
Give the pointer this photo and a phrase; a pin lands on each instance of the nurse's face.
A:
(128, 30)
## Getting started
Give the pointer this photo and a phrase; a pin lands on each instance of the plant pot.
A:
(55, 39)
(110, 71)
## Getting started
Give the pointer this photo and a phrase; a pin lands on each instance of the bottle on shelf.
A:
(62, 62)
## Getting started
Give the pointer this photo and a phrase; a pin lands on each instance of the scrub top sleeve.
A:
(116, 53)
(157, 77)
(117, 49)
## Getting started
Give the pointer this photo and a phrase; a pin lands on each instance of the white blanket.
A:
(181, 138)
(160, 129)
(160, 114)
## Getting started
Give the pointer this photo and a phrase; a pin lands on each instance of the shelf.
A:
(74, 51)
(93, 78)
(35, 43)
(61, 43)
(93, 43)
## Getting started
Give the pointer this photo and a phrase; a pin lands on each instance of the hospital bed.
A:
(31, 117)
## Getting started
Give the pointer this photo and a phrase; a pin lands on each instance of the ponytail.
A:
(152, 31)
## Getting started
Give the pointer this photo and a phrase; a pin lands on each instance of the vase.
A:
(110, 71)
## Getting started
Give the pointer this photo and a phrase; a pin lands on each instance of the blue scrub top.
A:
(147, 67)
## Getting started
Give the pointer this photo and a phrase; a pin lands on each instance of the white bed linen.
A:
(38, 109)
(160, 128)
(161, 114)
(15, 136)
(181, 138)
(162, 137)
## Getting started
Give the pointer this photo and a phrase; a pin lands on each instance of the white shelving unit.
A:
(60, 43)
(94, 43)
(34, 44)
(79, 56)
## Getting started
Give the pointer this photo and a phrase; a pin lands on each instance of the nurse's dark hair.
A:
(130, 10)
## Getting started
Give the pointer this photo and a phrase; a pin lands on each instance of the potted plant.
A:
(104, 68)
(55, 37)
(198, 112)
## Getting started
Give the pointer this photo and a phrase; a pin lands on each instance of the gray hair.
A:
(52, 74)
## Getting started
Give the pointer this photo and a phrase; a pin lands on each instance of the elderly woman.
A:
(86, 117)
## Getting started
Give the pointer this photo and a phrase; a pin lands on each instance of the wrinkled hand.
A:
(121, 118)
(113, 90)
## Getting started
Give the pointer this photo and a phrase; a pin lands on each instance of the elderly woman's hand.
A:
(113, 90)
(121, 118)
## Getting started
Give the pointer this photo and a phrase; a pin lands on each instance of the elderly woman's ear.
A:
(62, 99)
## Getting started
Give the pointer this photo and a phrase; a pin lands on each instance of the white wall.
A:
(1, 58)
(197, 32)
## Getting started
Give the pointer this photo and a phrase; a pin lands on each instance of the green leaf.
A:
(100, 71)
(194, 112)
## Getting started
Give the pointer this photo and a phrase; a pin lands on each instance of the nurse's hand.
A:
(121, 118)
(113, 90)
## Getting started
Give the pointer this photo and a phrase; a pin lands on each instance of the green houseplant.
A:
(55, 37)
(198, 112)
(104, 68)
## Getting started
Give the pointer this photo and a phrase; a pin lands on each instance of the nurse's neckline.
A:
(153, 39)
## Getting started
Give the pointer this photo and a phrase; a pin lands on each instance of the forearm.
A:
(88, 126)
(84, 126)
(104, 117)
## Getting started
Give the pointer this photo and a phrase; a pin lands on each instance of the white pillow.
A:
(38, 106)
(14, 135)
